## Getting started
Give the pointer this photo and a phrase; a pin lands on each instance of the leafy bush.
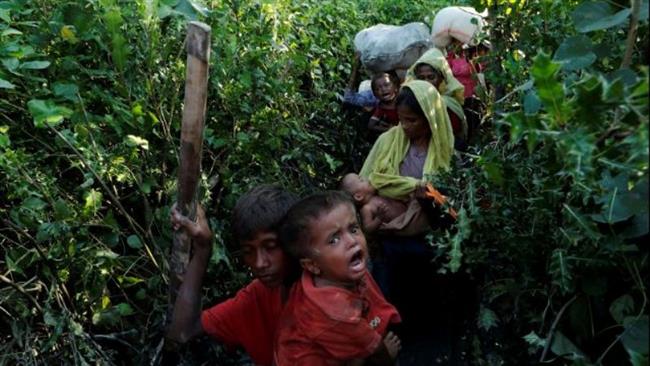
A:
(554, 198)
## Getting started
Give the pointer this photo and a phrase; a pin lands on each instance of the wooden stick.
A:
(196, 92)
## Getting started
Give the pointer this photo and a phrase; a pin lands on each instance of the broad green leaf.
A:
(596, 15)
(532, 104)
(66, 90)
(621, 308)
(627, 76)
(563, 346)
(124, 309)
(4, 15)
(134, 242)
(643, 12)
(46, 112)
(34, 203)
(11, 64)
(638, 359)
(638, 226)
(575, 53)
(619, 203)
(4, 84)
(534, 340)
(11, 32)
(191, 9)
(4, 141)
(588, 98)
(635, 337)
(35, 65)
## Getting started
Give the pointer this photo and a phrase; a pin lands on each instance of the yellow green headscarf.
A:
(451, 89)
(451, 86)
(381, 167)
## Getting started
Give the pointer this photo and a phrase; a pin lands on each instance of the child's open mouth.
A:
(357, 262)
(387, 97)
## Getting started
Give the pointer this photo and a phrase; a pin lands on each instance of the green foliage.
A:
(552, 202)
(556, 190)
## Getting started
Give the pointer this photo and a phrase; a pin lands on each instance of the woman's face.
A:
(427, 73)
(414, 125)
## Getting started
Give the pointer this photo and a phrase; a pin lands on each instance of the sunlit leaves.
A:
(549, 89)
(92, 202)
(133, 140)
(46, 112)
(68, 33)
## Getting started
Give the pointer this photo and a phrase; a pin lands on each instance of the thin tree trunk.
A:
(196, 92)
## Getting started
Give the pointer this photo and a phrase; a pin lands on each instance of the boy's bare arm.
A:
(186, 319)
(353, 83)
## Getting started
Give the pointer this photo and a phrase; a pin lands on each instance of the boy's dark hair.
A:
(408, 99)
(392, 76)
(261, 209)
(295, 229)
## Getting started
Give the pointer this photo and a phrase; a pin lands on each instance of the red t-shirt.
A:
(331, 325)
(388, 115)
(248, 320)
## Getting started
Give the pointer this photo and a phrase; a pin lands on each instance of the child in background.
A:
(335, 314)
(385, 87)
(374, 209)
(462, 69)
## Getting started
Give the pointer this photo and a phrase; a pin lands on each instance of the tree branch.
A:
(631, 34)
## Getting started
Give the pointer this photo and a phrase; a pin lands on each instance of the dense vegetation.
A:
(554, 196)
